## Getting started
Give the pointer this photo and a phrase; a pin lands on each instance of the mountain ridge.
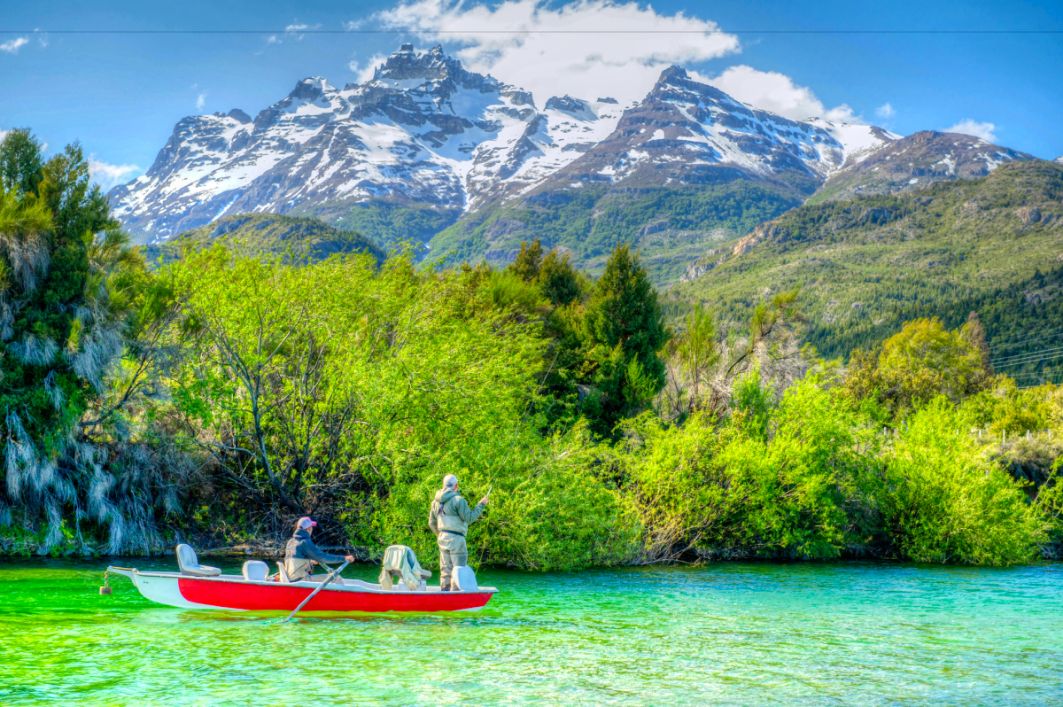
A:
(865, 265)
(465, 166)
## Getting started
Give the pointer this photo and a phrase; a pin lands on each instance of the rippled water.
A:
(739, 633)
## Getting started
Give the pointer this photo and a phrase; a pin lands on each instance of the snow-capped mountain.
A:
(426, 137)
(686, 131)
(915, 161)
(423, 131)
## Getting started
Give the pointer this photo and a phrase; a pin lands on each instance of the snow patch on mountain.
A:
(857, 140)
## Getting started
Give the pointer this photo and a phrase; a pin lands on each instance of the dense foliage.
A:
(71, 296)
(226, 393)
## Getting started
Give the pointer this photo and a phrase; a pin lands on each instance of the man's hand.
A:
(483, 501)
(348, 558)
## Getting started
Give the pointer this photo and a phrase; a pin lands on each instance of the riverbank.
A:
(856, 632)
(1050, 552)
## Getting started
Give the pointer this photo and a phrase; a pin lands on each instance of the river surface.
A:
(732, 633)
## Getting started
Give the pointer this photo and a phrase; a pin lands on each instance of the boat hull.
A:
(237, 594)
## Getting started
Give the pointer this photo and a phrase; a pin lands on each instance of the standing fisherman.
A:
(449, 519)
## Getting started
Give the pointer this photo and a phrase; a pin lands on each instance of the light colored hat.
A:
(306, 522)
(450, 481)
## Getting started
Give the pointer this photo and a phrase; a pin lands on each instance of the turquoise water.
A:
(736, 633)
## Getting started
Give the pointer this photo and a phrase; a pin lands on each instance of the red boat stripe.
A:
(285, 597)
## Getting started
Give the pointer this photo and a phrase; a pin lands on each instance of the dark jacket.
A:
(301, 547)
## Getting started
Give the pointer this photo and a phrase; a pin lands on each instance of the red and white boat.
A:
(196, 586)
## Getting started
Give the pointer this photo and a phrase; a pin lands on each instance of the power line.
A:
(915, 32)
(1007, 346)
(1026, 358)
(1029, 361)
(1027, 353)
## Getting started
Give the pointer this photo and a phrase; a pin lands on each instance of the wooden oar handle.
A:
(331, 576)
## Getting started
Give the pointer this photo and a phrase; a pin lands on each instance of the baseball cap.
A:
(307, 522)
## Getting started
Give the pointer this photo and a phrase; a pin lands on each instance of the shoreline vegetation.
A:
(219, 395)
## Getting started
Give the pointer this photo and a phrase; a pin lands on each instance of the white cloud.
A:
(3, 134)
(364, 72)
(777, 93)
(108, 175)
(587, 49)
(273, 39)
(885, 111)
(984, 130)
(297, 29)
(13, 45)
(201, 100)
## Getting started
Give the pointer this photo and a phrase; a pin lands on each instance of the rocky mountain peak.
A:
(407, 64)
(673, 74)
(573, 106)
(311, 88)
(675, 85)
(916, 161)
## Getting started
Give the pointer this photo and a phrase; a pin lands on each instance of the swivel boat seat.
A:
(189, 563)
(256, 571)
(400, 569)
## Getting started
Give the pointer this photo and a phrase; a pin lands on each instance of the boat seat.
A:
(256, 571)
(400, 566)
(189, 563)
(465, 579)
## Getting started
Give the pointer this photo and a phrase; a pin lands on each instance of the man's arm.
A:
(316, 554)
(469, 513)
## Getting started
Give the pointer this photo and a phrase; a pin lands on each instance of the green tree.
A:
(625, 331)
(20, 163)
(559, 281)
(920, 362)
(528, 261)
(974, 334)
(697, 353)
(68, 296)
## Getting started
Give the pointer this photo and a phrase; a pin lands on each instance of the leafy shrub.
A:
(949, 502)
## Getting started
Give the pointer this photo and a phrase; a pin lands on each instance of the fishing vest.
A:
(297, 568)
(449, 522)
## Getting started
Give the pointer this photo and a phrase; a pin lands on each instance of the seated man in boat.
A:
(449, 519)
(301, 553)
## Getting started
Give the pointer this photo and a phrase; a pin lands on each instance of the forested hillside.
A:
(669, 226)
(289, 237)
(864, 266)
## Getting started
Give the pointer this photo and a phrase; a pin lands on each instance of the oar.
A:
(332, 575)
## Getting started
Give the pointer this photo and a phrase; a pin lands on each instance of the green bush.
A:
(949, 502)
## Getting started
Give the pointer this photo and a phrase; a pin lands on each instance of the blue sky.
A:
(120, 94)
